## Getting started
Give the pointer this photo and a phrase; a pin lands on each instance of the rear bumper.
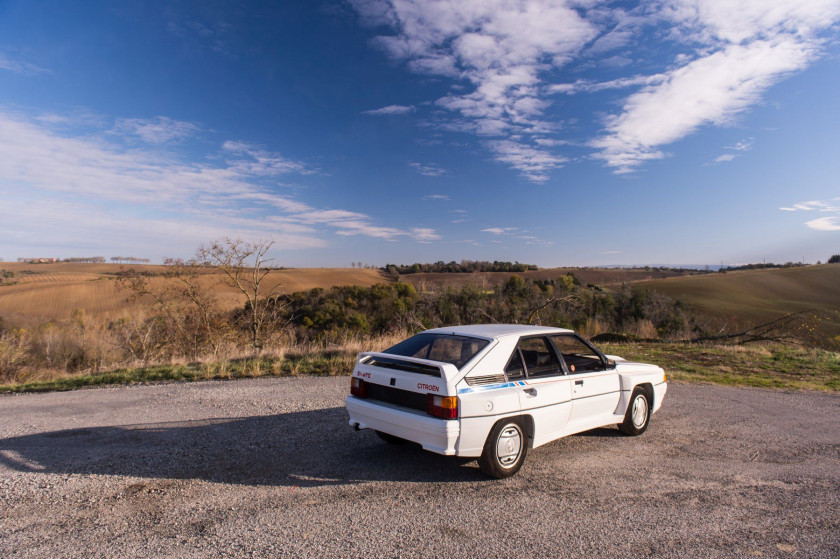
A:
(435, 435)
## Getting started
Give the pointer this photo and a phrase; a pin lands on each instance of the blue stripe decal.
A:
(490, 387)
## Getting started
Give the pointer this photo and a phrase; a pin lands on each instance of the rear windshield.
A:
(448, 348)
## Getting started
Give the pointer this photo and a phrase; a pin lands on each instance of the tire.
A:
(505, 449)
(390, 439)
(637, 418)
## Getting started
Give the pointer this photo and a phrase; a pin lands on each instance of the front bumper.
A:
(435, 435)
(659, 392)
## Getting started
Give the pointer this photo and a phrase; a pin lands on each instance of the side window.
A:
(515, 369)
(579, 357)
(540, 359)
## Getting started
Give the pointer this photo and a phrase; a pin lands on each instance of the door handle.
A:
(530, 391)
(578, 383)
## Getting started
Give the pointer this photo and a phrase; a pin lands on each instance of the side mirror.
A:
(610, 363)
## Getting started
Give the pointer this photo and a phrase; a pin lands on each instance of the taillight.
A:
(358, 388)
(444, 407)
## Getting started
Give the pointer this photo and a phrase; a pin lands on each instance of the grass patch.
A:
(757, 365)
(327, 363)
(762, 366)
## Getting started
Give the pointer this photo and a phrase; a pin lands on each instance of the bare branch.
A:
(243, 265)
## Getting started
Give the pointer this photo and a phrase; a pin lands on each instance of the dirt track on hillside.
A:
(269, 467)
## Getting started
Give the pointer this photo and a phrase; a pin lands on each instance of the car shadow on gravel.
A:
(307, 448)
(602, 432)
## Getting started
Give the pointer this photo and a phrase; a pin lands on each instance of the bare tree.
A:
(244, 265)
(183, 292)
(534, 315)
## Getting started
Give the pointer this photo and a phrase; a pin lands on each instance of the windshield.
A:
(448, 348)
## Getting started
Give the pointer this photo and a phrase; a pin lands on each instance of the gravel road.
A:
(269, 467)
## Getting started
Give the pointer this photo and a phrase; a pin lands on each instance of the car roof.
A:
(497, 330)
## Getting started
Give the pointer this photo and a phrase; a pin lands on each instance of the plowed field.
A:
(41, 292)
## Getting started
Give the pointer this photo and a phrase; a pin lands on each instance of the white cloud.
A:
(610, 41)
(158, 130)
(39, 166)
(460, 216)
(437, 197)
(744, 48)
(427, 170)
(832, 205)
(498, 230)
(736, 150)
(710, 90)
(744, 145)
(548, 142)
(533, 163)
(310, 215)
(74, 227)
(14, 64)
(708, 21)
(516, 233)
(352, 227)
(533, 241)
(256, 161)
(424, 234)
(499, 55)
(501, 48)
(586, 86)
(826, 223)
(390, 110)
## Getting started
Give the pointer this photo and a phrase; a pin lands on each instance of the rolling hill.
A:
(746, 298)
(736, 300)
(41, 292)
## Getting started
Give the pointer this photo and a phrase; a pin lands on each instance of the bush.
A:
(13, 353)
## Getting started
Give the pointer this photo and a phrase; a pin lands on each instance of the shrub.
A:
(13, 353)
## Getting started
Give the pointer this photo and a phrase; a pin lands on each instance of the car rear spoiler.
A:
(428, 367)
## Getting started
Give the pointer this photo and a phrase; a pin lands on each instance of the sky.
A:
(558, 133)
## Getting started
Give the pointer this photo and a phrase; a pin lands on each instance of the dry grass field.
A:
(756, 295)
(41, 292)
(744, 298)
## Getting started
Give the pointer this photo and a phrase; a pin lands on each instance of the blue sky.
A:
(557, 133)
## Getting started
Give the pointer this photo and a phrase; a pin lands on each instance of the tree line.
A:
(464, 266)
(332, 314)
(129, 260)
(84, 260)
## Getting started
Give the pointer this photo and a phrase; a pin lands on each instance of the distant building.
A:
(38, 260)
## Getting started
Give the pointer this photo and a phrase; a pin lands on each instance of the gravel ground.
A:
(269, 467)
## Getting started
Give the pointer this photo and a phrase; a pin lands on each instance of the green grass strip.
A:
(761, 366)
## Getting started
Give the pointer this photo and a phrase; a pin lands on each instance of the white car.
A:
(493, 391)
